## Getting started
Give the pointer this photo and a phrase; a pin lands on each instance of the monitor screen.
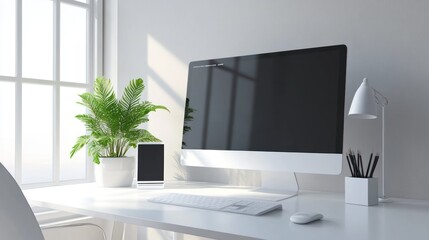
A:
(291, 101)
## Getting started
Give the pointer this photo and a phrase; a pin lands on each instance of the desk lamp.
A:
(364, 106)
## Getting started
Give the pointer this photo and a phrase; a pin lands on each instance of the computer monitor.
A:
(281, 111)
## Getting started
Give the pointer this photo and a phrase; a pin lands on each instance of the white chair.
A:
(17, 220)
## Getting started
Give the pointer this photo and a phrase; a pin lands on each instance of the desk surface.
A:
(402, 219)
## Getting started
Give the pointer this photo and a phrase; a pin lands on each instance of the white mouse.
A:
(305, 217)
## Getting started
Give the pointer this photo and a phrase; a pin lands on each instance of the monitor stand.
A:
(281, 185)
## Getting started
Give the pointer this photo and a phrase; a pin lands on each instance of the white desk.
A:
(402, 219)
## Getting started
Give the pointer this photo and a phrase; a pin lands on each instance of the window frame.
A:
(94, 56)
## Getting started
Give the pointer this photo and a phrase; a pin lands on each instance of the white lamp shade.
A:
(363, 104)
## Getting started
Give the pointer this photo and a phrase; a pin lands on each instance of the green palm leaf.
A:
(113, 124)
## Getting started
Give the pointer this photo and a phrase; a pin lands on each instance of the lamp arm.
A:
(380, 98)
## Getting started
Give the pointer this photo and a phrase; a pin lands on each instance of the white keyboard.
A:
(223, 204)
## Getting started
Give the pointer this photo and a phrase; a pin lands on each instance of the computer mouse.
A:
(305, 217)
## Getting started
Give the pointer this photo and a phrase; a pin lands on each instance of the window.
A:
(46, 60)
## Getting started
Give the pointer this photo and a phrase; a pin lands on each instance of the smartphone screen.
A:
(150, 165)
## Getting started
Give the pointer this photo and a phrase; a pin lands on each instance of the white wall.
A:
(386, 39)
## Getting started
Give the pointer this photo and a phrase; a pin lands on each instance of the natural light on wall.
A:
(166, 85)
(46, 61)
(166, 66)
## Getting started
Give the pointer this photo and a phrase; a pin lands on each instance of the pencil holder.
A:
(361, 191)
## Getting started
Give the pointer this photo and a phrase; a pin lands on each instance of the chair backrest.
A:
(17, 220)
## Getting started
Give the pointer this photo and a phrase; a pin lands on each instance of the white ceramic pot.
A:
(361, 191)
(115, 172)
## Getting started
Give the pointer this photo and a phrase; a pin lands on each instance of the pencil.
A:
(374, 165)
(350, 167)
(361, 165)
(355, 165)
(358, 165)
(369, 165)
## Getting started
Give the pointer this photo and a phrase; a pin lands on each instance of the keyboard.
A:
(223, 204)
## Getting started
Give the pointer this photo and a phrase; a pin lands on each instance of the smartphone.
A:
(150, 165)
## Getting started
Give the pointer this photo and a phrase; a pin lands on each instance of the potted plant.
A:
(113, 128)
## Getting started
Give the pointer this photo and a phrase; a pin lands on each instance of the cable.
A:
(297, 183)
